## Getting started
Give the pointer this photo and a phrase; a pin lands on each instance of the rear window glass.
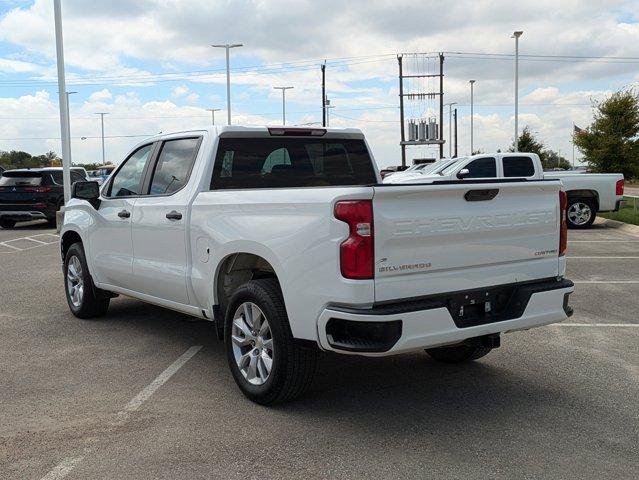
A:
(518, 167)
(291, 162)
(12, 180)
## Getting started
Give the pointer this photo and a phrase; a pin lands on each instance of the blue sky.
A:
(132, 59)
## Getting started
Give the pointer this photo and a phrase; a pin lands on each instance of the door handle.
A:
(124, 214)
(173, 215)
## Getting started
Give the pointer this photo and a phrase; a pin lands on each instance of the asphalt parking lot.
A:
(133, 396)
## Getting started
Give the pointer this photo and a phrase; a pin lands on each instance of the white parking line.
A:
(603, 241)
(603, 256)
(40, 243)
(65, 467)
(616, 325)
(612, 282)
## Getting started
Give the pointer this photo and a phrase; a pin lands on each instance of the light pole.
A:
(213, 110)
(472, 113)
(450, 128)
(228, 46)
(68, 127)
(283, 101)
(102, 114)
(516, 36)
(62, 100)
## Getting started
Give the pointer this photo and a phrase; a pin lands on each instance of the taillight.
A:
(37, 189)
(563, 224)
(619, 187)
(356, 252)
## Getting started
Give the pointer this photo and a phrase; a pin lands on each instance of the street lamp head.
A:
(471, 81)
(517, 34)
(228, 45)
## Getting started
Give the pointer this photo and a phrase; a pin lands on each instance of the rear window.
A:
(9, 179)
(291, 162)
(518, 167)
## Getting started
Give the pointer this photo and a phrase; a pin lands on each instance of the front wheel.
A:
(581, 212)
(458, 353)
(84, 299)
(267, 363)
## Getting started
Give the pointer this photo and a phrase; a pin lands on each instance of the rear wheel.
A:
(458, 353)
(581, 212)
(84, 299)
(6, 223)
(267, 363)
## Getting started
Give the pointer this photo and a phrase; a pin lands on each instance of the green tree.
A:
(610, 143)
(553, 159)
(529, 144)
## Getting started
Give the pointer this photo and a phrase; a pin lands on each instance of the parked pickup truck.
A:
(588, 193)
(288, 241)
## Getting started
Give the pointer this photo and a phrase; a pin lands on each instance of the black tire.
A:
(458, 353)
(93, 302)
(293, 361)
(6, 223)
(586, 211)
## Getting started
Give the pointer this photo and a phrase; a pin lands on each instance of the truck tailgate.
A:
(441, 238)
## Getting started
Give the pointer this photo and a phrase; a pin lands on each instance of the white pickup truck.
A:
(288, 241)
(588, 193)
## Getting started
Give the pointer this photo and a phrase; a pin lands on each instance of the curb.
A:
(616, 224)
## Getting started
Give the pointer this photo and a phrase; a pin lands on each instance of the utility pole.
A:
(228, 46)
(455, 134)
(401, 110)
(283, 89)
(472, 114)
(441, 105)
(102, 114)
(213, 110)
(516, 36)
(450, 128)
(324, 94)
(62, 100)
(328, 110)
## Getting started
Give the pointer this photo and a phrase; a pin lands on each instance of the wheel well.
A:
(589, 194)
(68, 239)
(235, 270)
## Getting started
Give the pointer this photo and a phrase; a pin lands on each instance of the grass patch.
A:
(627, 214)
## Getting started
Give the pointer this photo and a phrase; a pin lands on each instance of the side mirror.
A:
(463, 173)
(89, 191)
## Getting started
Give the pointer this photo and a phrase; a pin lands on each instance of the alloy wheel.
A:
(75, 283)
(252, 343)
(579, 213)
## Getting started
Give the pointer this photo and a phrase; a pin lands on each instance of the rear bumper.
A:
(21, 216)
(418, 324)
(27, 211)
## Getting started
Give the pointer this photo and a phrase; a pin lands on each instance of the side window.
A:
(276, 157)
(518, 167)
(77, 177)
(482, 168)
(56, 177)
(174, 165)
(128, 180)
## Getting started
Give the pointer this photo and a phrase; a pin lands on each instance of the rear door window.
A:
(518, 167)
(291, 162)
(174, 165)
(482, 168)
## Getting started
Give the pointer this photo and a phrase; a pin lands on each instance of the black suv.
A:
(31, 194)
